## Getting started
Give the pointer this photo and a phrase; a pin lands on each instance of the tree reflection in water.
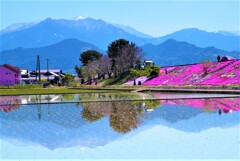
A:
(89, 114)
(68, 97)
(124, 115)
(108, 96)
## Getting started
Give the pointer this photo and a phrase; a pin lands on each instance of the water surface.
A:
(130, 128)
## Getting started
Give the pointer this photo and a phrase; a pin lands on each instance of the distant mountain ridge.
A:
(50, 31)
(57, 39)
(64, 55)
(203, 39)
(172, 52)
(133, 31)
(101, 33)
(230, 33)
(17, 27)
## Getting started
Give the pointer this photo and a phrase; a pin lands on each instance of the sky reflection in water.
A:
(155, 129)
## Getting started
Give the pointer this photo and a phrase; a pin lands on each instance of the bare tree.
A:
(89, 72)
(206, 66)
(129, 58)
(105, 66)
(132, 54)
(97, 67)
(124, 55)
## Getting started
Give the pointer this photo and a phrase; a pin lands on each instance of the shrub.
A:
(67, 79)
(147, 71)
(43, 80)
(154, 70)
(134, 72)
(74, 84)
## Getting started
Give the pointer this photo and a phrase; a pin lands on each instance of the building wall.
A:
(9, 77)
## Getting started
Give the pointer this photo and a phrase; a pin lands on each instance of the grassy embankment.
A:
(26, 90)
(37, 89)
(110, 85)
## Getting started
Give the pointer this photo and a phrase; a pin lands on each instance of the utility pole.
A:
(38, 69)
(47, 71)
(39, 76)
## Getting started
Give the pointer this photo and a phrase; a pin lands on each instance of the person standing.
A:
(218, 58)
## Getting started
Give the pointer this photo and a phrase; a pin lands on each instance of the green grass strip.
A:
(52, 91)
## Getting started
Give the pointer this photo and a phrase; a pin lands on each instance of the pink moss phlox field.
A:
(9, 103)
(141, 79)
(211, 73)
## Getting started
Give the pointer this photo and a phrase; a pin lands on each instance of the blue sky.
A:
(157, 17)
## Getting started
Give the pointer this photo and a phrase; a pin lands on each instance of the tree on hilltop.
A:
(124, 55)
(89, 56)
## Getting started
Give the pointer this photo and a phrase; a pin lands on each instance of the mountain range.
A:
(221, 40)
(62, 41)
(172, 52)
(50, 31)
(65, 54)
(101, 34)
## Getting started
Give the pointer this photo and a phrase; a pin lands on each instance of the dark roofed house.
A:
(224, 58)
(52, 75)
(9, 75)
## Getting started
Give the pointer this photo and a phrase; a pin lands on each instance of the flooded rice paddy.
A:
(120, 126)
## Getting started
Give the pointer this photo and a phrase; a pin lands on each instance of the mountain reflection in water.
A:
(94, 124)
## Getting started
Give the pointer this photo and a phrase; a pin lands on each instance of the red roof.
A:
(12, 68)
(224, 58)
